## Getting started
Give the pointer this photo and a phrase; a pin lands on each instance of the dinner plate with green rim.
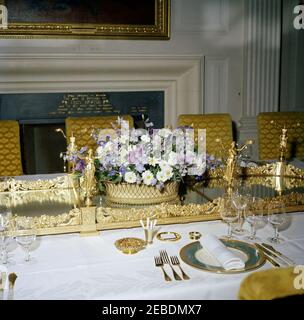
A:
(194, 255)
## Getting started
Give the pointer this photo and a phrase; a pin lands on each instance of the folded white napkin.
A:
(219, 251)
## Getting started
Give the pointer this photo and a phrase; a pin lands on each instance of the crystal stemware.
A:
(254, 215)
(276, 217)
(25, 234)
(5, 218)
(239, 199)
(228, 213)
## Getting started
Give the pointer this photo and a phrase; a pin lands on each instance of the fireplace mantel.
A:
(178, 76)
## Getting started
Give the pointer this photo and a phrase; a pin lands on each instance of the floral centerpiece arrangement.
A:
(133, 164)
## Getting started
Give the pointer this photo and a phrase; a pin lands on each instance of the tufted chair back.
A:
(218, 126)
(10, 151)
(269, 134)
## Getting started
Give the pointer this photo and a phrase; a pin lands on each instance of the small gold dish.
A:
(168, 236)
(130, 245)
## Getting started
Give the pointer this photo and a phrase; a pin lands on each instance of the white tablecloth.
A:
(73, 267)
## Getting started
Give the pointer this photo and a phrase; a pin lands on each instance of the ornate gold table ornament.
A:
(72, 150)
(231, 162)
(130, 245)
(195, 235)
(284, 138)
(168, 236)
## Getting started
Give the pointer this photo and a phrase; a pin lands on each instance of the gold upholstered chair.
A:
(269, 134)
(218, 126)
(10, 151)
(272, 284)
(81, 128)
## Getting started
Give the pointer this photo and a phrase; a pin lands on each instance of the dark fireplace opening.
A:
(41, 147)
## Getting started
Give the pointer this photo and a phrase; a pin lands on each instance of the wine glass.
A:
(25, 234)
(276, 217)
(228, 213)
(5, 218)
(239, 200)
(254, 215)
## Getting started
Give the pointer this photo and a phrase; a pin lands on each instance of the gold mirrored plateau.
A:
(30, 183)
(197, 204)
(168, 236)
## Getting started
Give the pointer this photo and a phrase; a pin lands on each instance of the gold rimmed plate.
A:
(194, 255)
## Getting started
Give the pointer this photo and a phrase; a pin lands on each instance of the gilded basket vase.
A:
(125, 194)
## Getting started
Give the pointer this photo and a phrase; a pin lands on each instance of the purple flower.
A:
(160, 186)
(153, 182)
(80, 165)
(83, 150)
(112, 173)
(140, 168)
(122, 170)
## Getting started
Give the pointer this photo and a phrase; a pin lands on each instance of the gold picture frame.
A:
(145, 24)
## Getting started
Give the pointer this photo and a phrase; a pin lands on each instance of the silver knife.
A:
(269, 258)
(278, 254)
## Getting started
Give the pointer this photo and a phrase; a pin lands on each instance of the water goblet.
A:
(253, 215)
(239, 199)
(25, 234)
(228, 213)
(5, 218)
(276, 217)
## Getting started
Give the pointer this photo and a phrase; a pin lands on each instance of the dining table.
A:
(68, 266)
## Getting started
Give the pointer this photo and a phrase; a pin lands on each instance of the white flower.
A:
(161, 176)
(164, 166)
(130, 177)
(145, 138)
(168, 171)
(147, 177)
(124, 139)
(164, 132)
(172, 160)
(153, 161)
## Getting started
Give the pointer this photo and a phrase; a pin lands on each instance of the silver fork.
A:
(159, 263)
(175, 262)
(165, 259)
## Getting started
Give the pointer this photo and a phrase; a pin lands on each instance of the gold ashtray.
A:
(195, 235)
(130, 245)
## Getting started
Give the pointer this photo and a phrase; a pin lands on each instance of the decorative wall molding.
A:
(208, 17)
(261, 63)
(179, 76)
(262, 56)
(216, 79)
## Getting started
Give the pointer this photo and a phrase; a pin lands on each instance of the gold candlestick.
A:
(283, 138)
(89, 181)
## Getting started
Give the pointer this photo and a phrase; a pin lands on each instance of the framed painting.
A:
(87, 19)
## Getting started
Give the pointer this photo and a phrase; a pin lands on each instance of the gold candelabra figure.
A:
(284, 138)
(232, 161)
(72, 150)
(89, 180)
